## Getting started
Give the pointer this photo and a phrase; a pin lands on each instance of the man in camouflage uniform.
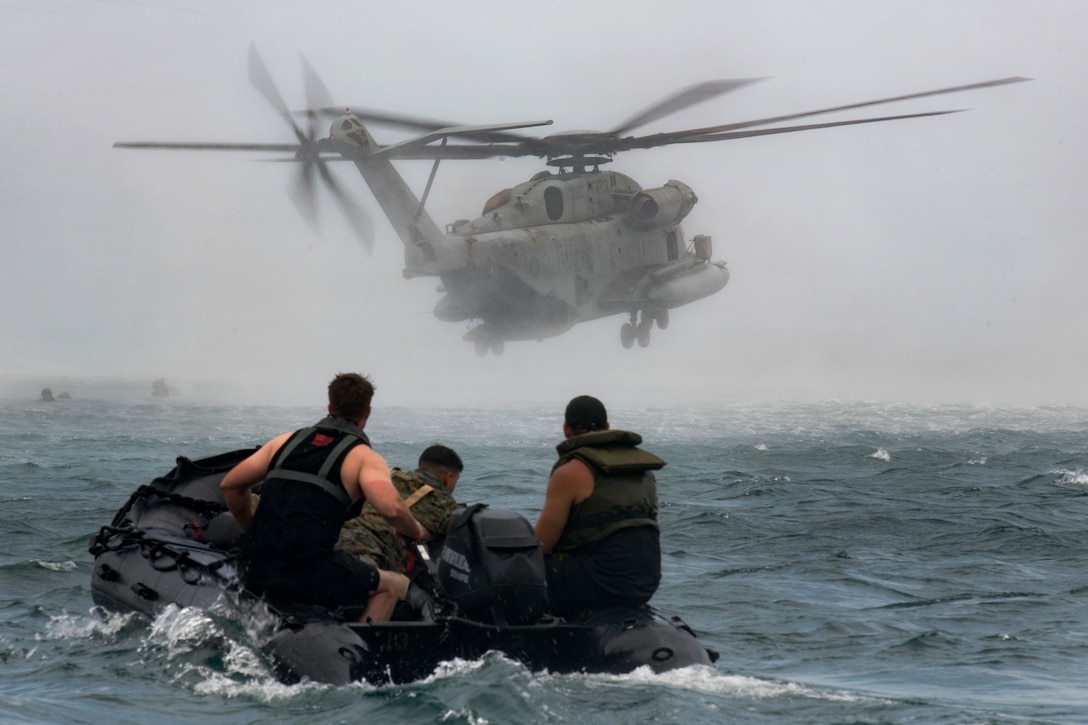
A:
(428, 492)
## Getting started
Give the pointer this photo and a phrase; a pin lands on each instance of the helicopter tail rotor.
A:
(308, 153)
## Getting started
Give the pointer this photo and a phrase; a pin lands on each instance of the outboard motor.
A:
(492, 567)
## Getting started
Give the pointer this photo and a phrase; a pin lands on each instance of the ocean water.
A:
(851, 562)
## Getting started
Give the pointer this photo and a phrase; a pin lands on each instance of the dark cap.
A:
(585, 413)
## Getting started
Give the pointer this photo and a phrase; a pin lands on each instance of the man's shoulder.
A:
(572, 473)
(361, 451)
(408, 482)
(272, 447)
(571, 465)
(281, 438)
(363, 462)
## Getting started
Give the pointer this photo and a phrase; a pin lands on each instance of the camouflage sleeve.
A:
(433, 511)
(370, 538)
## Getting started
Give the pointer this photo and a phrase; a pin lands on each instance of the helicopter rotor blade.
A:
(684, 98)
(415, 123)
(361, 222)
(465, 152)
(202, 146)
(302, 193)
(727, 135)
(399, 149)
(262, 81)
(675, 136)
(308, 151)
(317, 95)
(303, 197)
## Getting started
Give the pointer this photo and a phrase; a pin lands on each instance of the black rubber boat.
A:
(157, 552)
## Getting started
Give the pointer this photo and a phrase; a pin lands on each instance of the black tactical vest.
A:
(303, 502)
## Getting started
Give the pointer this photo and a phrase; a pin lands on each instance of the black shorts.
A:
(341, 584)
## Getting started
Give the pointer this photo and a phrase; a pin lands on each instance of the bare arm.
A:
(377, 486)
(569, 484)
(247, 474)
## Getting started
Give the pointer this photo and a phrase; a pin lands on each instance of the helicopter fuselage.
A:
(562, 248)
(567, 248)
(556, 250)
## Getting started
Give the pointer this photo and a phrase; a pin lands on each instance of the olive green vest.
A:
(624, 488)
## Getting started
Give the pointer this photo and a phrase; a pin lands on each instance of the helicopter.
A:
(573, 243)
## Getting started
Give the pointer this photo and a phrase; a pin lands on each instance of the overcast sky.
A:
(933, 260)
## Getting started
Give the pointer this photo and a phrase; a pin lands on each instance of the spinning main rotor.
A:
(576, 150)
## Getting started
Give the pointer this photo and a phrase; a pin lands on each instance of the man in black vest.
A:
(311, 479)
(598, 527)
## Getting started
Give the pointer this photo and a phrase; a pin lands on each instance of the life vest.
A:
(303, 501)
(624, 487)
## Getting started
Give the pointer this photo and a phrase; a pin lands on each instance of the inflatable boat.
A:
(165, 547)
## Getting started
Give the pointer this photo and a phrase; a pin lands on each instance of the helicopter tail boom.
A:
(400, 205)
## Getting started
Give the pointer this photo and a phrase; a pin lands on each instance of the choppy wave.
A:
(98, 623)
(1072, 478)
(852, 562)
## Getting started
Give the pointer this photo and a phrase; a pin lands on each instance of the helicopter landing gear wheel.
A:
(497, 347)
(481, 348)
(643, 332)
(627, 335)
(661, 317)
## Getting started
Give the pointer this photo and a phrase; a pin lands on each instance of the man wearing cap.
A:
(598, 527)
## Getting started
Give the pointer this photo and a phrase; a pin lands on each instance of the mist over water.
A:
(913, 558)
(928, 260)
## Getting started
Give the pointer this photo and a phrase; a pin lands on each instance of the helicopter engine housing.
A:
(668, 204)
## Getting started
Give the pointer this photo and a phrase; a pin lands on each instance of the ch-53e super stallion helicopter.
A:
(566, 246)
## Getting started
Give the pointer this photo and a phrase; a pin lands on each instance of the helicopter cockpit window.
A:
(553, 202)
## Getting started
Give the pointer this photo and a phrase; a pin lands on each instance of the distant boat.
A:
(159, 389)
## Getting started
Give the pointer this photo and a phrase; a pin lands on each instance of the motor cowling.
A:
(662, 206)
(492, 566)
